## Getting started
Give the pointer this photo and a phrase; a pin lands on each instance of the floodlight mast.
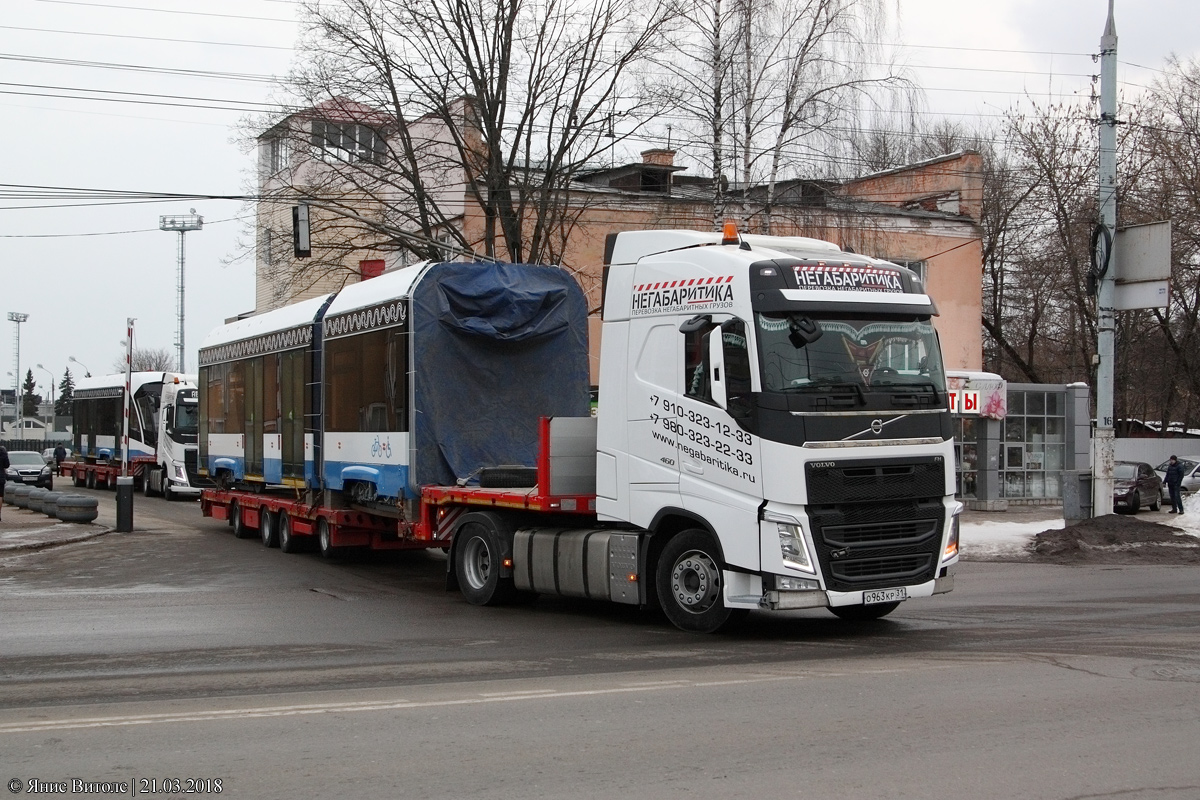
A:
(17, 318)
(181, 223)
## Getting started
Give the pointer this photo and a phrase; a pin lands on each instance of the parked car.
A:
(28, 466)
(1135, 484)
(48, 455)
(1191, 475)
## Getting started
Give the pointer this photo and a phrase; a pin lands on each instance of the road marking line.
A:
(333, 708)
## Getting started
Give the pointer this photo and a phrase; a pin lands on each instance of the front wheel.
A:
(864, 613)
(478, 559)
(1136, 504)
(689, 582)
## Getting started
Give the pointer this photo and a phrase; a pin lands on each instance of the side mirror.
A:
(696, 324)
(716, 366)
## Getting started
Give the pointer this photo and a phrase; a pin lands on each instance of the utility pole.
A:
(17, 318)
(181, 223)
(1102, 482)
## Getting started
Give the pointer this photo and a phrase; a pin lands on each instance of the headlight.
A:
(180, 472)
(46, 470)
(791, 545)
(952, 542)
(12, 472)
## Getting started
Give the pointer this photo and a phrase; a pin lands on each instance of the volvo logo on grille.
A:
(876, 426)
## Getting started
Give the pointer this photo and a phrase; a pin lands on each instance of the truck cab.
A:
(176, 420)
(773, 411)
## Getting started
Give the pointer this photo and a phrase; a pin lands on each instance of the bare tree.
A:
(457, 126)
(147, 359)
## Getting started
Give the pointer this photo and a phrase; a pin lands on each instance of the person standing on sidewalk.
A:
(4, 465)
(1174, 481)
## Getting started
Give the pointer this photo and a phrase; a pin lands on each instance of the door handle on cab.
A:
(694, 468)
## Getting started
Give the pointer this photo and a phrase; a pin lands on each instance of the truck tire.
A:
(77, 508)
(77, 478)
(238, 522)
(267, 530)
(325, 539)
(507, 478)
(689, 583)
(148, 482)
(864, 613)
(479, 548)
(50, 503)
(288, 542)
(91, 479)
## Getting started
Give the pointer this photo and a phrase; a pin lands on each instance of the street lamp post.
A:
(52, 409)
(87, 373)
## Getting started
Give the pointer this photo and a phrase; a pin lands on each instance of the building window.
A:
(277, 154)
(347, 141)
(919, 267)
(966, 456)
(1033, 446)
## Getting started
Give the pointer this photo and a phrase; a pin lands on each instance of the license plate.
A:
(885, 596)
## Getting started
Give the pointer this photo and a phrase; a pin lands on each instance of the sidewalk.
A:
(22, 529)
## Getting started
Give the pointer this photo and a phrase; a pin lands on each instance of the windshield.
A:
(187, 418)
(25, 459)
(1187, 464)
(801, 353)
(1125, 472)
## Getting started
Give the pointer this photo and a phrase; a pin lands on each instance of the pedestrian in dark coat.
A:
(60, 453)
(4, 465)
(1174, 481)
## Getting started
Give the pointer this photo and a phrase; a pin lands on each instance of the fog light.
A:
(787, 583)
(791, 545)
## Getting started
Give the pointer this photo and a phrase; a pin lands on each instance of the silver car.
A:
(1191, 475)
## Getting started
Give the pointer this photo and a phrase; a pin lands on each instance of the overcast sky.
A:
(972, 58)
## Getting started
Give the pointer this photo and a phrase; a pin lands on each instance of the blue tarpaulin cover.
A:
(495, 347)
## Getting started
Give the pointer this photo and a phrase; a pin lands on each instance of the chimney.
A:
(658, 157)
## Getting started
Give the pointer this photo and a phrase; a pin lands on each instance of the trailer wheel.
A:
(288, 542)
(238, 522)
(267, 530)
(77, 478)
(325, 539)
(864, 613)
(91, 479)
(478, 555)
(689, 583)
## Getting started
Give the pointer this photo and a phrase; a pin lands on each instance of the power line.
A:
(187, 73)
(143, 38)
(103, 233)
(164, 10)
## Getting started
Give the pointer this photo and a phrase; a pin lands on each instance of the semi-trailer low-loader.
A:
(163, 423)
(772, 430)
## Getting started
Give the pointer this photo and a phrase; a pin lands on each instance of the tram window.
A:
(364, 378)
(270, 397)
(235, 398)
(215, 399)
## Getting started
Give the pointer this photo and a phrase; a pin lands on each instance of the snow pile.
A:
(1003, 540)
(997, 541)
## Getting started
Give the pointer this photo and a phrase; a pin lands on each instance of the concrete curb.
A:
(42, 545)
